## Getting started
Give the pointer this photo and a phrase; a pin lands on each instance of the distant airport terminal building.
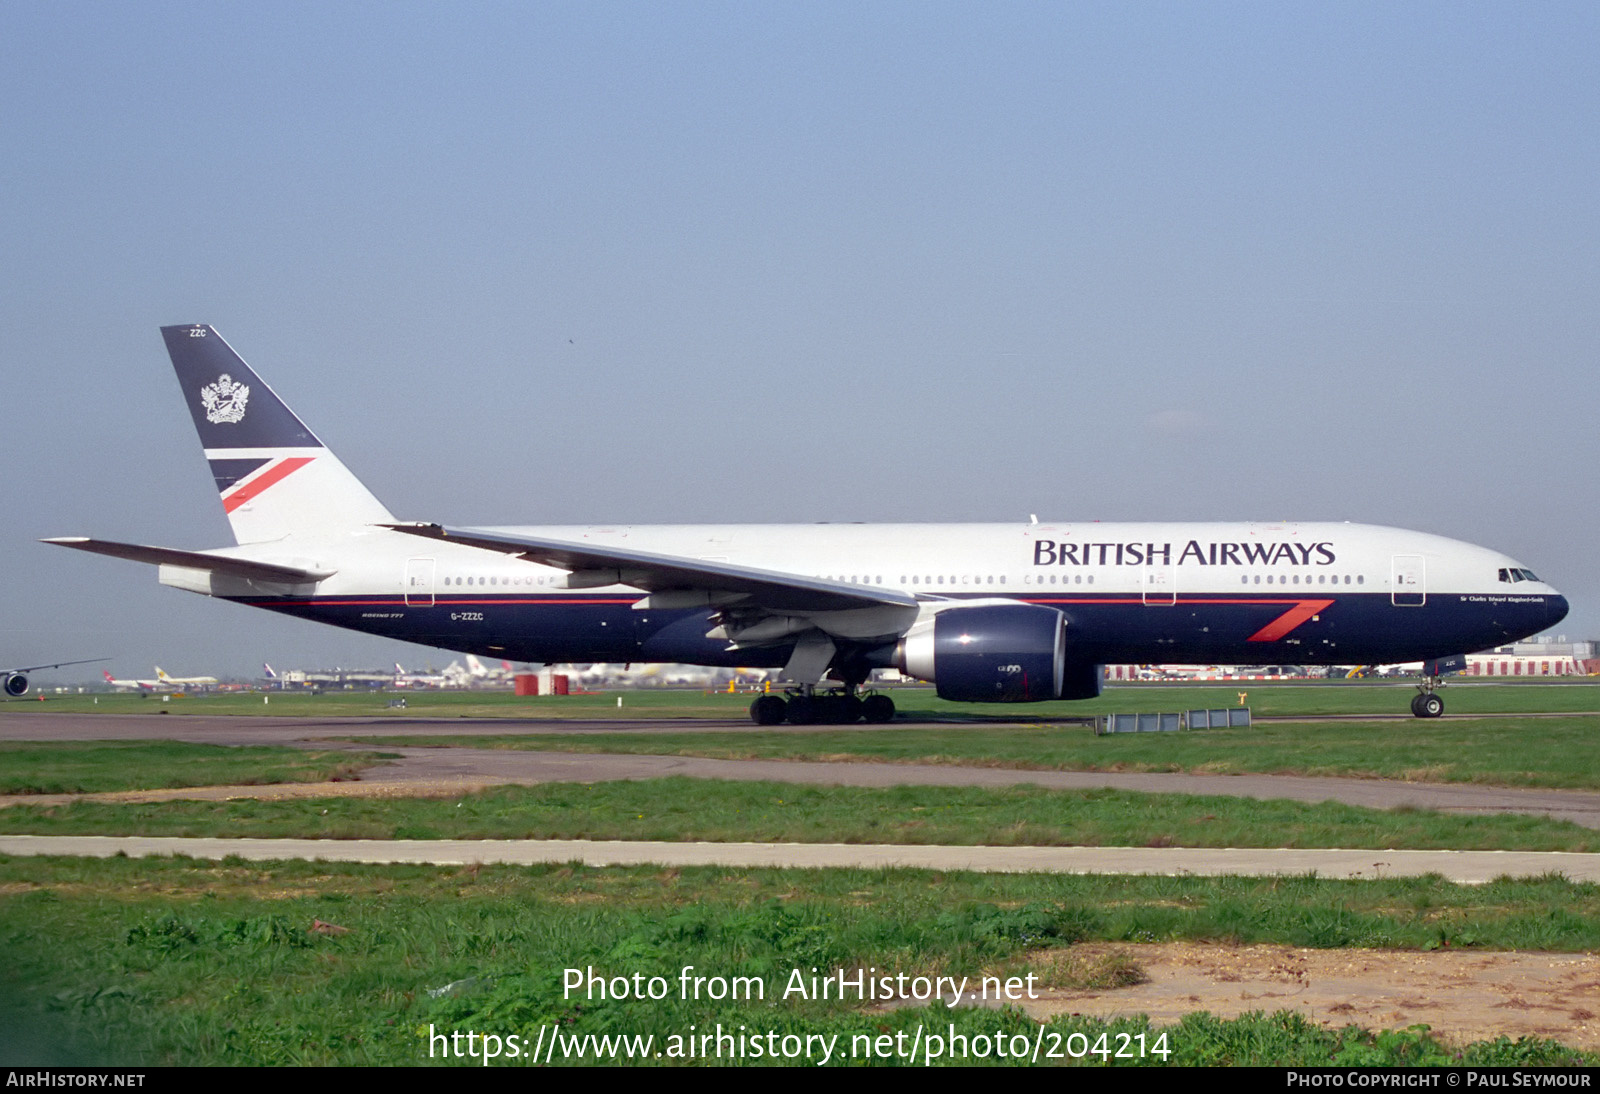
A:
(1545, 656)
(1538, 657)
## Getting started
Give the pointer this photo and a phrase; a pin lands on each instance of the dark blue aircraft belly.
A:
(1346, 628)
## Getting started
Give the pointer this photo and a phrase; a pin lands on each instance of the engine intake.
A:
(16, 684)
(996, 653)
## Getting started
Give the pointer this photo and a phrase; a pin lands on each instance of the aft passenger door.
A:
(419, 583)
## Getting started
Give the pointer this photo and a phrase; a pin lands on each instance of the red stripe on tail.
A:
(268, 478)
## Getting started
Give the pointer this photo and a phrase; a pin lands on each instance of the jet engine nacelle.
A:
(996, 653)
(16, 684)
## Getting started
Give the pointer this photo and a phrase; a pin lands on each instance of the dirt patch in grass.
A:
(1463, 995)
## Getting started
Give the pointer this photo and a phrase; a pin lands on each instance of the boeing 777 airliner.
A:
(987, 612)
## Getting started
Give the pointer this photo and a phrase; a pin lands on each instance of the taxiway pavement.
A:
(1466, 867)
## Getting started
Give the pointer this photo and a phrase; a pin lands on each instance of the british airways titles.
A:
(1047, 552)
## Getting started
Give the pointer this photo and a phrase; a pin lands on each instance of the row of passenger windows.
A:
(1322, 579)
(962, 579)
(919, 579)
(1082, 579)
(496, 580)
(969, 579)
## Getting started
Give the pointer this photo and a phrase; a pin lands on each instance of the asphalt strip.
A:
(1466, 867)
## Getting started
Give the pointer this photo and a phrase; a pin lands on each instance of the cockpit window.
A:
(1516, 574)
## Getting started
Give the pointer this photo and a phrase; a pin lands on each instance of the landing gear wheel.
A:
(877, 709)
(1416, 705)
(804, 711)
(1429, 706)
(769, 710)
(841, 710)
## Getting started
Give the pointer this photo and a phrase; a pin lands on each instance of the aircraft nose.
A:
(1555, 610)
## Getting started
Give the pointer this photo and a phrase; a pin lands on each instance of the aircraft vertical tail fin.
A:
(274, 476)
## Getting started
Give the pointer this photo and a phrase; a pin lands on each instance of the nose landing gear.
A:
(1428, 703)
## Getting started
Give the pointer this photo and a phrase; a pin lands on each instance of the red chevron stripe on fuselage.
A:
(1298, 613)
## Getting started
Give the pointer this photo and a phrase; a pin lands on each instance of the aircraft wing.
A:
(595, 567)
(57, 665)
(195, 560)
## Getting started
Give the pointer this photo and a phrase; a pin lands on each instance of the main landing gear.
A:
(805, 707)
(1428, 703)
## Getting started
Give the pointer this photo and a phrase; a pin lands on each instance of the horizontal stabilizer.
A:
(769, 589)
(196, 560)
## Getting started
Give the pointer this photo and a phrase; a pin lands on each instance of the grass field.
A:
(1553, 749)
(699, 809)
(88, 767)
(1546, 751)
(172, 961)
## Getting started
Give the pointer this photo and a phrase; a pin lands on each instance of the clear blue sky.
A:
(526, 263)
